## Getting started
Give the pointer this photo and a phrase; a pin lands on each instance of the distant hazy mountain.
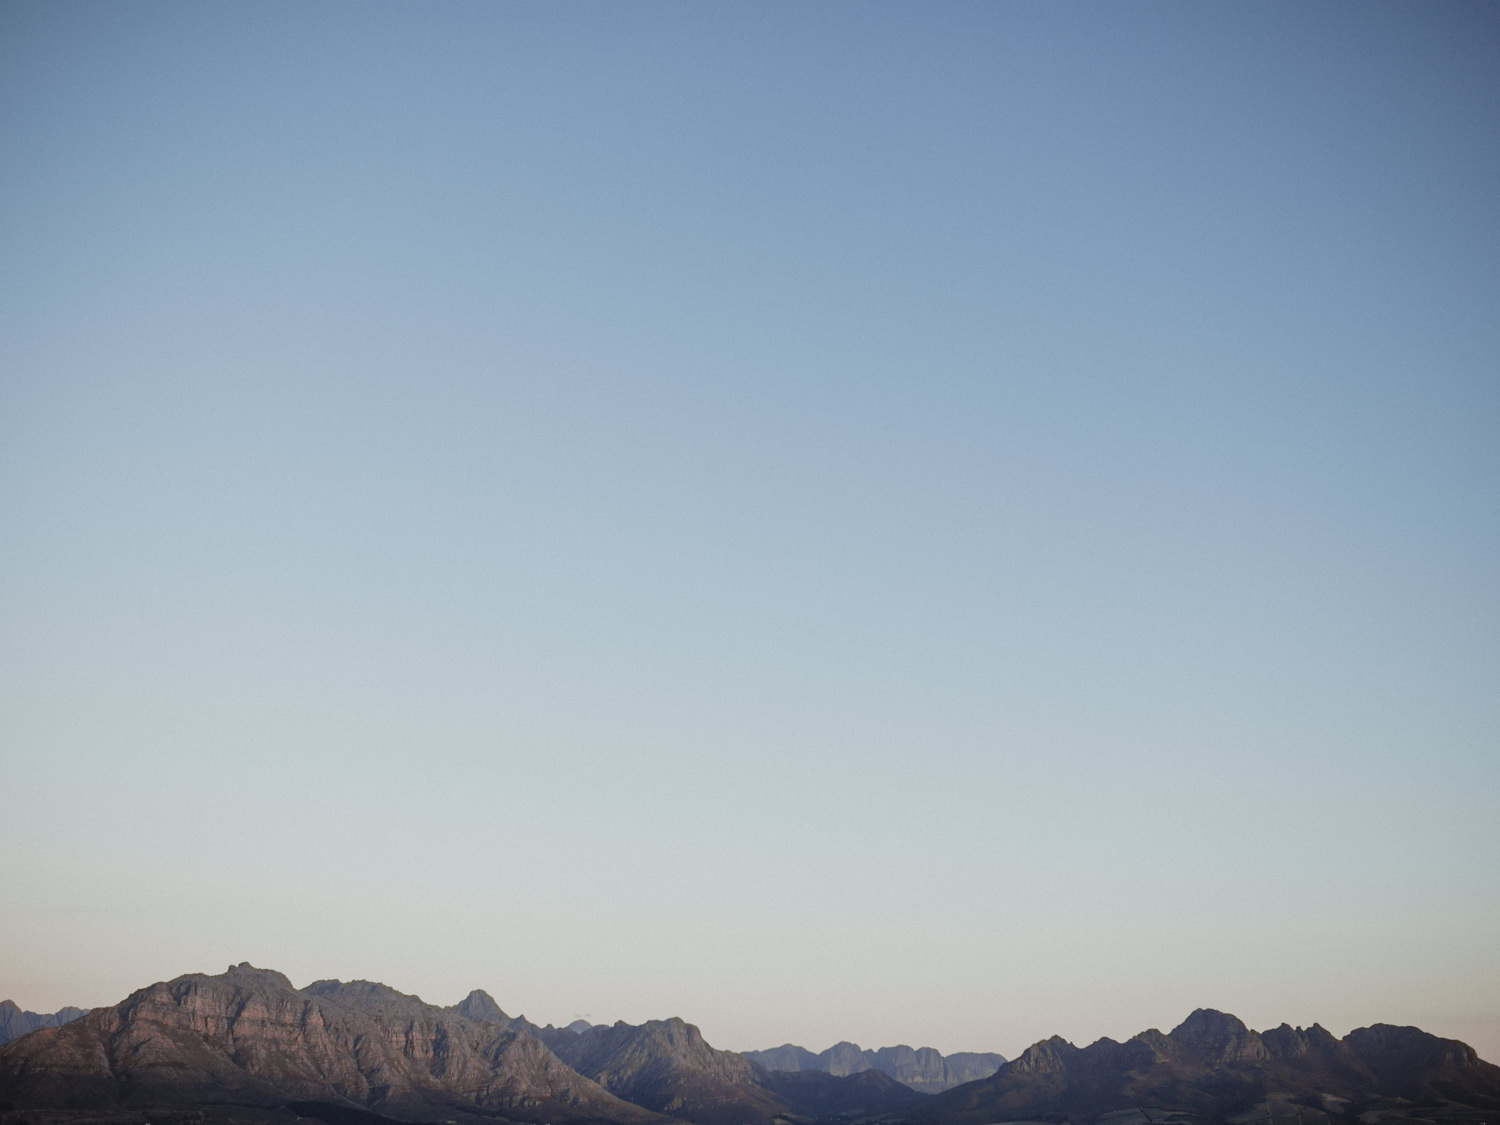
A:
(922, 1069)
(790, 1058)
(1215, 1068)
(15, 1023)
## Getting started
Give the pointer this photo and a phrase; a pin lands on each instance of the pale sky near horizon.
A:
(929, 523)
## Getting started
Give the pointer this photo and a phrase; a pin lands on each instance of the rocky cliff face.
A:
(1409, 1063)
(15, 1023)
(844, 1058)
(249, 1037)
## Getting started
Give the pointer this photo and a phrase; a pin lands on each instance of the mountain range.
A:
(923, 1069)
(247, 1048)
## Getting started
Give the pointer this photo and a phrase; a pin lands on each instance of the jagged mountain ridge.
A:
(250, 1038)
(345, 1051)
(922, 1068)
(1213, 1067)
(480, 1005)
(667, 1066)
(15, 1023)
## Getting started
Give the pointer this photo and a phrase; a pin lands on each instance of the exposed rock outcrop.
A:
(248, 1037)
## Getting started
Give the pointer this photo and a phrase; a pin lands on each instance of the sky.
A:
(942, 524)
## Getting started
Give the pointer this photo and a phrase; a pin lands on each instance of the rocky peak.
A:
(1050, 1056)
(1293, 1042)
(1162, 1049)
(1218, 1037)
(480, 1006)
(247, 975)
(844, 1058)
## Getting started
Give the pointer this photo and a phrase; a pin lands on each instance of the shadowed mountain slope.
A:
(666, 1065)
(1212, 1066)
(824, 1096)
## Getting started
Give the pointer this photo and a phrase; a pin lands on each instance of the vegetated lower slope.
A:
(923, 1068)
(15, 1023)
(248, 1037)
(1215, 1068)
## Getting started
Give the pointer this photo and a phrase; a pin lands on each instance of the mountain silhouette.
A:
(248, 1037)
(246, 1043)
(1213, 1067)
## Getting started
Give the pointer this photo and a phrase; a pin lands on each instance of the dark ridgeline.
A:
(1214, 1068)
(246, 1046)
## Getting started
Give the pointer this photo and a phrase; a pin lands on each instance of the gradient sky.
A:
(928, 523)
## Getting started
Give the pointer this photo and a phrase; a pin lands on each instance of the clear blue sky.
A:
(929, 523)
